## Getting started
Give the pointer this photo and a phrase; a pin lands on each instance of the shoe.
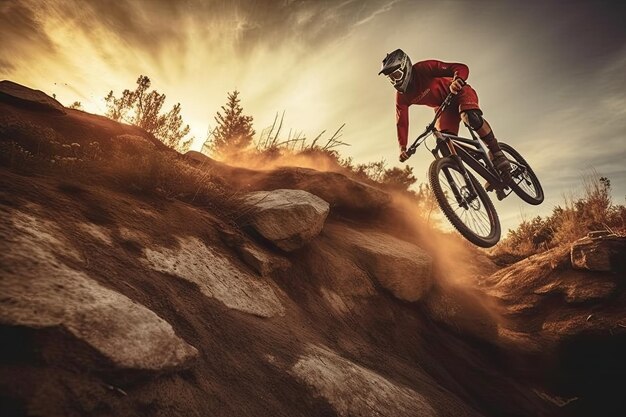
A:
(499, 192)
(500, 162)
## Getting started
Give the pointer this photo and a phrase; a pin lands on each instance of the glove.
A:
(403, 155)
(457, 84)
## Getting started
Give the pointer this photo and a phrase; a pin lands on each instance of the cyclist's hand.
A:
(403, 155)
(457, 84)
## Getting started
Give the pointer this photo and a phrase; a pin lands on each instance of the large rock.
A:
(605, 253)
(39, 291)
(341, 192)
(287, 218)
(217, 277)
(354, 390)
(399, 266)
(344, 194)
(26, 97)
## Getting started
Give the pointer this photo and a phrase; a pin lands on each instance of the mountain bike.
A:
(460, 196)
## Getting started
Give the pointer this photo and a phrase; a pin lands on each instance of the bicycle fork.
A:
(458, 195)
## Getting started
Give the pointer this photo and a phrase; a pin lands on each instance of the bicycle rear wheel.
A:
(467, 206)
(524, 182)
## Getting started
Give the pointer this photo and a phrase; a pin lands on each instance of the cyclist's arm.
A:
(436, 68)
(402, 121)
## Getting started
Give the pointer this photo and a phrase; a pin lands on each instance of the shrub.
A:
(569, 222)
(142, 108)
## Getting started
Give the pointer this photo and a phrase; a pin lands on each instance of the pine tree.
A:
(234, 131)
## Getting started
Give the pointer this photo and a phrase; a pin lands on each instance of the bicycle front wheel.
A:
(466, 204)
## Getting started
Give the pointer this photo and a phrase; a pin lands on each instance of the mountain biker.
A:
(428, 83)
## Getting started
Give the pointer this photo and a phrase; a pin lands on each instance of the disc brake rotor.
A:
(472, 202)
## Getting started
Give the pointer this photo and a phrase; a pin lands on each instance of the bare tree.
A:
(142, 108)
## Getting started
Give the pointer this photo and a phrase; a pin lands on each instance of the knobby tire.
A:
(483, 241)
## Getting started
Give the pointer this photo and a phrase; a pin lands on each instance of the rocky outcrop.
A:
(604, 253)
(35, 119)
(463, 310)
(217, 277)
(335, 188)
(26, 97)
(344, 194)
(354, 390)
(39, 291)
(399, 266)
(546, 301)
(287, 218)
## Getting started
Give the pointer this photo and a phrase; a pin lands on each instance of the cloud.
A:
(5, 66)
(19, 31)
(149, 24)
(383, 9)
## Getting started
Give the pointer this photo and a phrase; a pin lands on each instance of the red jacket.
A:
(430, 84)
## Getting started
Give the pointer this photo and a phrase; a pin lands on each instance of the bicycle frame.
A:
(471, 151)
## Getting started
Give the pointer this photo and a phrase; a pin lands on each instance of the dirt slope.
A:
(117, 301)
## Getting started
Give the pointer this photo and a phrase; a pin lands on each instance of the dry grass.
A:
(132, 164)
(575, 218)
(167, 175)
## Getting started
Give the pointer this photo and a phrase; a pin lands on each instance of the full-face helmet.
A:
(397, 66)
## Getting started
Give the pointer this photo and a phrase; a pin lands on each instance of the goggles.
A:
(396, 76)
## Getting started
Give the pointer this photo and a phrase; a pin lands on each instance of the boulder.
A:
(128, 334)
(216, 277)
(287, 218)
(399, 266)
(352, 389)
(26, 97)
(39, 291)
(345, 194)
(606, 253)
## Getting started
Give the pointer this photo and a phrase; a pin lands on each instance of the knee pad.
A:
(473, 118)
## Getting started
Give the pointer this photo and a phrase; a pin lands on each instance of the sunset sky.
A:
(550, 75)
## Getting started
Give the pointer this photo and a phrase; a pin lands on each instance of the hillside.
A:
(137, 281)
